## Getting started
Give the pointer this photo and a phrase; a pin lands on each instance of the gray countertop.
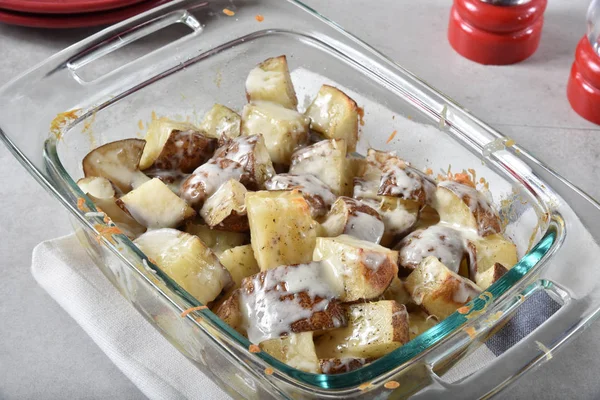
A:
(43, 352)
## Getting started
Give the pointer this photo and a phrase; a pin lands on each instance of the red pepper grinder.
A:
(496, 32)
(583, 89)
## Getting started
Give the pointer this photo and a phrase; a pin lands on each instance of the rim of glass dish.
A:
(389, 363)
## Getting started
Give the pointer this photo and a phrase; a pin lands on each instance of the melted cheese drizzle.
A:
(444, 243)
(267, 316)
(308, 185)
(210, 177)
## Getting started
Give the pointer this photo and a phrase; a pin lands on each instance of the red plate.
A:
(64, 6)
(59, 21)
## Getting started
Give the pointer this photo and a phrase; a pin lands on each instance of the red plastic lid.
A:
(64, 6)
(493, 34)
(583, 89)
(77, 20)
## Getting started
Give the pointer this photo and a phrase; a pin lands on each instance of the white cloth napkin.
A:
(63, 268)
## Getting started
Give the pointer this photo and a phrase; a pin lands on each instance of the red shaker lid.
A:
(583, 89)
(495, 34)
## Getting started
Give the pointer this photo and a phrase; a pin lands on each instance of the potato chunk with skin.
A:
(187, 261)
(467, 207)
(119, 162)
(335, 115)
(102, 193)
(365, 269)
(207, 178)
(315, 192)
(154, 205)
(374, 329)
(230, 311)
(282, 230)
(218, 241)
(284, 130)
(442, 242)
(398, 179)
(398, 215)
(290, 299)
(351, 217)
(226, 208)
(438, 290)
(158, 133)
(487, 251)
(250, 152)
(486, 278)
(327, 161)
(240, 263)
(296, 350)
(221, 121)
(185, 151)
(270, 81)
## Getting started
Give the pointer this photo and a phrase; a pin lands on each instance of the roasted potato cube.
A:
(398, 179)
(270, 81)
(364, 188)
(367, 174)
(119, 162)
(487, 251)
(230, 311)
(351, 217)
(296, 350)
(365, 269)
(102, 193)
(397, 292)
(491, 275)
(185, 151)
(218, 241)
(97, 186)
(342, 365)
(442, 242)
(226, 209)
(220, 122)
(467, 207)
(327, 161)
(250, 152)
(399, 216)
(374, 329)
(282, 230)
(335, 115)
(420, 322)
(187, 261)
(284, 130)
(438, 290)
(315, 192)
(158, 133)
(240, 263)
(154, 205)
(291, 299)
(208, 177)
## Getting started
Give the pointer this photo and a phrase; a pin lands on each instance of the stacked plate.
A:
(71, 13)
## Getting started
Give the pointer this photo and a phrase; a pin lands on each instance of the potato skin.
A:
(185, 151)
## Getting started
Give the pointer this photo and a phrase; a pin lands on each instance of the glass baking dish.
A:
(51, 116)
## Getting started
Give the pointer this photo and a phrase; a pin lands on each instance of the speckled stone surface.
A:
(45, 355)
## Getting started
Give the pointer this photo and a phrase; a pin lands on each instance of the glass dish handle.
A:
(130, 31)
(571, 274)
